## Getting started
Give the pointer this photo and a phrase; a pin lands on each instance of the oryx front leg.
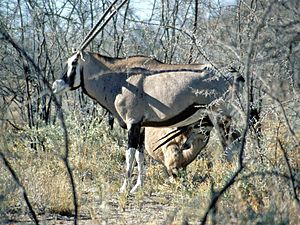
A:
(139, 157)
(129, 164)
(133, 142)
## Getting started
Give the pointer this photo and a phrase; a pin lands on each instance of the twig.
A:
(281, 105)
(214, 210)
(14, 125)
(265, 173)
(218, 194)
(65, 159)
(292, 132)
(16, 179)
(233, 178)
(290, 173)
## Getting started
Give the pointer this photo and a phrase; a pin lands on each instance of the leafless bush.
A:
(260, 38)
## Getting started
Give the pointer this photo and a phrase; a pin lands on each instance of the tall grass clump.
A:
(96, 156)
(262, 194)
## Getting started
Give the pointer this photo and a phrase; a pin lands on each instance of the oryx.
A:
(150, 65)
(140, 62)
(141, 98)
(146, 96)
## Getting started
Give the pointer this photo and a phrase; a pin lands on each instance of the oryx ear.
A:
(80, 54)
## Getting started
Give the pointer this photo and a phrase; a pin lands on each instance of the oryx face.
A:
(71, 77)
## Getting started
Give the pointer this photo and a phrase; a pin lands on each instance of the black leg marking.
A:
(142, 141)
(111, 121)
(134, 135)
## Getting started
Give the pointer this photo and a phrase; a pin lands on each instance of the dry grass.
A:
(260, 196)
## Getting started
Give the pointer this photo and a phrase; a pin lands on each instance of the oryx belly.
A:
(192, 119)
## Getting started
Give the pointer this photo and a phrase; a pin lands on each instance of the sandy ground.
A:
(148, 211)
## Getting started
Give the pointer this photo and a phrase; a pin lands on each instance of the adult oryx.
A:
(159, 143)
(150, 65)
(145, 98)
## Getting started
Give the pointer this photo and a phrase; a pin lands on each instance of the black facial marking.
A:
(72, 75)
(74, 62)
(69, 79)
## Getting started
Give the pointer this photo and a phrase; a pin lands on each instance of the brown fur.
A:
(145, 62)
(171, 155)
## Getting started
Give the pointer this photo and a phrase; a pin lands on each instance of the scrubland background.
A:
(60, 163)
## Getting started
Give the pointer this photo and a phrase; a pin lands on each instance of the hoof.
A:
(124, 188)
(172, 180)
(135, 188)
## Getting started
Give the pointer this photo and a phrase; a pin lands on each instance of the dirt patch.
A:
(149, 211)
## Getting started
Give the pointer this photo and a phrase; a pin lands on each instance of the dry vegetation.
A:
(44, 143)
(262, 194)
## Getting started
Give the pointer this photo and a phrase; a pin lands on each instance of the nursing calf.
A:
(174, 155)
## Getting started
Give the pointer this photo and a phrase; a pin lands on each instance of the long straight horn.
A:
(98, 23)
(96, 29)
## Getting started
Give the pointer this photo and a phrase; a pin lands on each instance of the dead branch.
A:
(291, 176)
(65, 158)
(266, 173)
(18, 182)
(240, 167)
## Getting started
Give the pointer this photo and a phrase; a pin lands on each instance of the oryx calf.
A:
(180, 151)
(143, 98)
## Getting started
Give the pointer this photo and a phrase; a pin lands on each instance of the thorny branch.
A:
(201, 51)
(266, 173)
(65, 158)
(286, 120)
(240, 167)
(292, 179)
(18, 182)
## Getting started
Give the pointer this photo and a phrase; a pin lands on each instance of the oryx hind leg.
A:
(229, 136)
